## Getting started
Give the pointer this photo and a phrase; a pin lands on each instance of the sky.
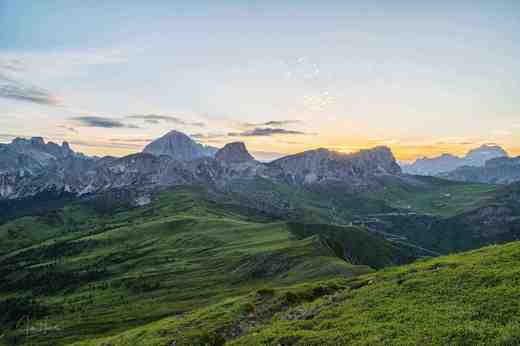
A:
(422, 77)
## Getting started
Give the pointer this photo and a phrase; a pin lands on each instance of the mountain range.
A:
(500, 170)
(32, 166)
(447, 162)
(488, 164)
(364, 188)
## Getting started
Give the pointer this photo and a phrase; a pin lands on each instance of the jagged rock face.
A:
(234, 153)
(137, 170)
(179, 147)
(447, 162)
(12, 161)
(29, 166)
(8, 184)
(324, 165)
(37, 149)
(502, 170)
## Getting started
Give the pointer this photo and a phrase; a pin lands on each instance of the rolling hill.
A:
(90, 273)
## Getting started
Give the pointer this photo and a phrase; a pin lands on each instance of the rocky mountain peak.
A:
(479, 156)
(379, 160)
(178, 146)
(234, 153)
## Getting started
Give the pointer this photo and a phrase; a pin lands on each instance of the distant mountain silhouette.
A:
(447, 162)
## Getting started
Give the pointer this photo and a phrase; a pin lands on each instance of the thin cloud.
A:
(68, 128)
(132, 140)
(265, 132)
(11, 64)
(158, 118)
(208, 135)
(103, 122)
(292, 142)
(16, 89)
(105, 145)
(274, 123)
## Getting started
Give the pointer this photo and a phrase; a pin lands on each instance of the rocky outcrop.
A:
(235, 152)
(447, 162)
(178, 146)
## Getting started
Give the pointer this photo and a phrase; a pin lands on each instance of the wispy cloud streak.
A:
(14, 88)
(158, 118)
(103, 122)
(18, 90)
(274, 123)
(266, 132)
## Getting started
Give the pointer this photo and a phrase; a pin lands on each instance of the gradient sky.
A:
(423, 77)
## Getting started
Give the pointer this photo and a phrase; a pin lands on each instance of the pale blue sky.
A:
(419, 76)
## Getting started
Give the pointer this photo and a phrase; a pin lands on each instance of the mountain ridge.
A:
(449, 162)
(176, 159)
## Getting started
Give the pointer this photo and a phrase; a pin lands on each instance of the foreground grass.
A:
(466, 299)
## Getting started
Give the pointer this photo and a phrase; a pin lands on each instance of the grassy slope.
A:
(420, 194)
(465, 299)
(435, 196)
(448, 217)
(29, 230)
(426, 212)
(97, 275)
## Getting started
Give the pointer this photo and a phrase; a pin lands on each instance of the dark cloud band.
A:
(16, 89)
(274, 123)
(104, 122)
(157, 118)
(265, 132)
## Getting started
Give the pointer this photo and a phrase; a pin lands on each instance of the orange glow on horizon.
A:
(402, 153)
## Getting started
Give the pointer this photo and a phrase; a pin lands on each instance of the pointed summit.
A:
(234, 153)
(178, 146)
